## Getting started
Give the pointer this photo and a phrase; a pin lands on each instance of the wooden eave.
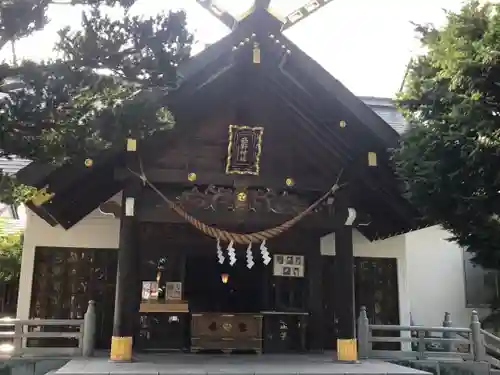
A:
(79, 190)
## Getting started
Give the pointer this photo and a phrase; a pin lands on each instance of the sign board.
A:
(288, 265)
(173, 291)
(244, 149)
(149, 290)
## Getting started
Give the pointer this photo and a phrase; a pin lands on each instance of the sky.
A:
(365, 44)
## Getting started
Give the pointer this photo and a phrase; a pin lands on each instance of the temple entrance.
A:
(214, 287)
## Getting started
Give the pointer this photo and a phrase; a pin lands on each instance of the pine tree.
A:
(112, 78)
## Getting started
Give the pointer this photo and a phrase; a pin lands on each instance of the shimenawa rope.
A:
(239, 238)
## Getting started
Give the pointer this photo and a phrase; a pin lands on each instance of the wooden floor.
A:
(200, 364)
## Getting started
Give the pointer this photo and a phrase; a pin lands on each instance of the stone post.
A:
(363, 334)
(18, 340)
(89, 330)
(448, 346)
(478, 348)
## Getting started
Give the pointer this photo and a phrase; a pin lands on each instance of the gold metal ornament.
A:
(343, 124)
(42, 196)
(242, 196)
(256, 53)
(192, 177)
(89, 162)
(372, 159)
(289, 182)
(131, 144)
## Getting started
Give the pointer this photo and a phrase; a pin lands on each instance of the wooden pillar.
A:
(126, 307)
(315, 300)
(344, 282)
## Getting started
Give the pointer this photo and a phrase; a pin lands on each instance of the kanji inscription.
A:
(244, 150)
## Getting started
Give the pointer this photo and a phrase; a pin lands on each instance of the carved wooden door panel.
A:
(65, 279)
(376, 288)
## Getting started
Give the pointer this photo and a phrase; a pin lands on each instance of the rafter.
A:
(303, 12)
(217, 11)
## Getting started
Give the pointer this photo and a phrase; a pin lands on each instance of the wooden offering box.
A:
(226, 332)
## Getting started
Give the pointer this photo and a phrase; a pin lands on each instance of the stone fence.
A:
(425, 342)
(21, 339)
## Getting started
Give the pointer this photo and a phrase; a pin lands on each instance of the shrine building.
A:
(260, 223)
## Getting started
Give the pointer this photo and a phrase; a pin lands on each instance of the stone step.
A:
(174, 364)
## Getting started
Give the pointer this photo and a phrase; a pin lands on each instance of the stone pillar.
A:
(126, 309)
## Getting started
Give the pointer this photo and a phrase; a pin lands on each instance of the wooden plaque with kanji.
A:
(244, 150)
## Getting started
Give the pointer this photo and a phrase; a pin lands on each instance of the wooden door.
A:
(376, 288)
(65, 279)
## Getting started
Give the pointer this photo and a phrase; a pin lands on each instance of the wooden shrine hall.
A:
(222, 216)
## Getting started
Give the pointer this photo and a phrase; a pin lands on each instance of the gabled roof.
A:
(304, 88)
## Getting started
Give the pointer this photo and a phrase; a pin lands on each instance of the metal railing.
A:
(449, 343)
(25, 331)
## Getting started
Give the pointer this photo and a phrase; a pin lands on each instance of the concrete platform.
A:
(200, 364)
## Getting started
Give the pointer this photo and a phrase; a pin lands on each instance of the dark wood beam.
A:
(344, 286)
(315, 277)
(127, 295)
(180, 177)
(44, 213)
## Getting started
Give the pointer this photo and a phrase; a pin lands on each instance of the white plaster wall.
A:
(389, 248)
(436, 279)
(94, 231)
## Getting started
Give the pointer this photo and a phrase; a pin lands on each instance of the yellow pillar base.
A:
(121, 349)
(347, 350)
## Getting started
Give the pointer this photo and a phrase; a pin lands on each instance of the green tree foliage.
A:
(10, 254)
(20, 18)
(450, 157)
(111, 79)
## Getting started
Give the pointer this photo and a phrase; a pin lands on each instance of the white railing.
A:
(16, 342)
(448, 339)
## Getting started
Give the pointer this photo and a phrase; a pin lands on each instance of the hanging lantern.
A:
(224, 278)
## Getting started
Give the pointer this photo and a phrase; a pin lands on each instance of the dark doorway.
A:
(206, 291)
